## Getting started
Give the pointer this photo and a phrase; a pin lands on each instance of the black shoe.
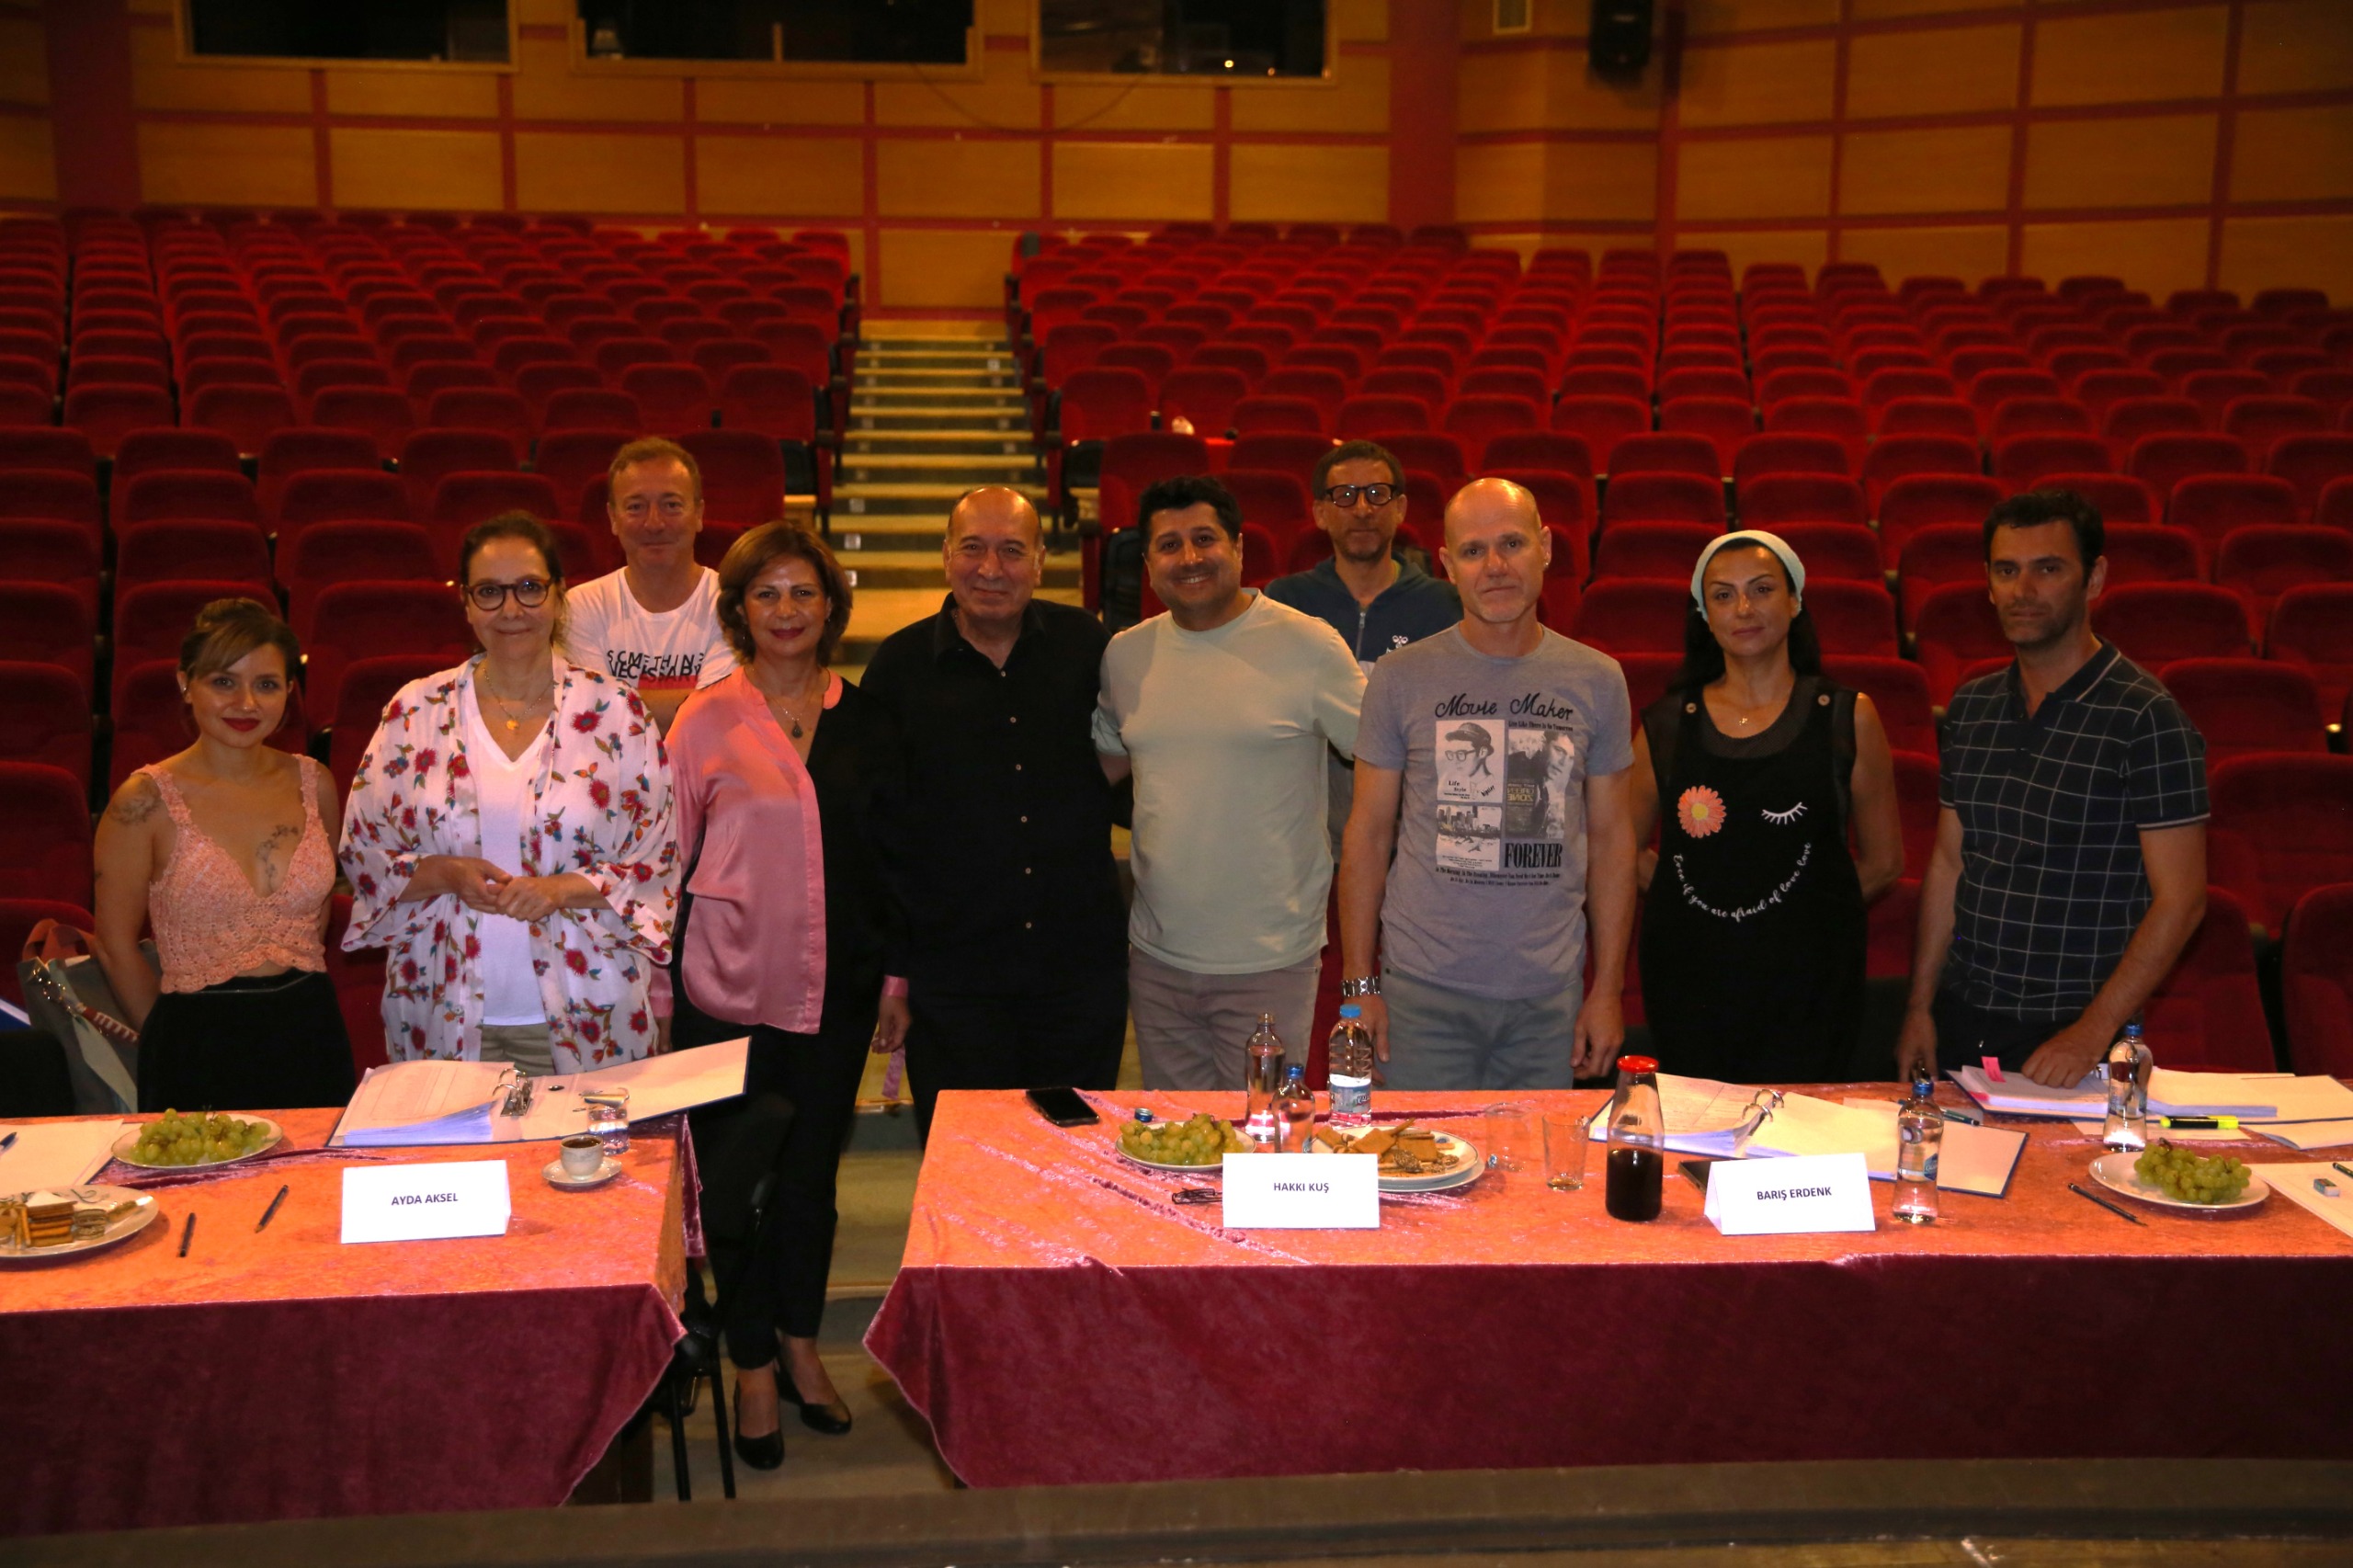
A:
(760, 1453)
(833, 1420)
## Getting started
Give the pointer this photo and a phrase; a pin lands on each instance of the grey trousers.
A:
(1193, 1030)
(1445, 1040)
(527, 1046)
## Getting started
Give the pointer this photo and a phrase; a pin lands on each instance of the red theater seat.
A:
(2208, 1014)
(1922, 501)
(45, 623)
(2282, 826)
(2261, 561)
(370, 621)
(2247, 706)
(2155, 623)
(2308, 462)
(324, 554)
(1633, 616)
(2312, 628)
(1957, 628)
(1660, 552)
(47, 717)
(44, 833)
(1898, 691)
(1852, 618)
(2316, 982)
(2145, 553)
(1643, 497)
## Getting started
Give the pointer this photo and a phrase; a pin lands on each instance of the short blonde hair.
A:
(762, 547)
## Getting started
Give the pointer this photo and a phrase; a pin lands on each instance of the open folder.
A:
(1705, 1116)
(412, 1104)
(2250, 1096)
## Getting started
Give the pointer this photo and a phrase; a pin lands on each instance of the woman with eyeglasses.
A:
(509, 838)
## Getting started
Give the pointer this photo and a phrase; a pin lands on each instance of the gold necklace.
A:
(514, 719)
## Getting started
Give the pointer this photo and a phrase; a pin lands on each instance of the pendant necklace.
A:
(513, 721)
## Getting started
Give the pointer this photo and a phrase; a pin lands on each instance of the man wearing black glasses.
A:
(1377, 600)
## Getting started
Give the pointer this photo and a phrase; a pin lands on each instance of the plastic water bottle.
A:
(1349, 1067)
(1263, 1082)
(1294, 1111)
(1919, 1138)
(2127, 1092)
(1637, 1160)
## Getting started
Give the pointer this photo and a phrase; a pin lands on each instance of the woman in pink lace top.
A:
(227, 850)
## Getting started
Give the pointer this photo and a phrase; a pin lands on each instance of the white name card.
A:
(1789, 1196)
(417, 1203)
(1302, 1192)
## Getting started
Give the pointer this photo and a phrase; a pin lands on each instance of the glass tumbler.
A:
(1514, 1138)
(1564, 1150)
(608, 1118)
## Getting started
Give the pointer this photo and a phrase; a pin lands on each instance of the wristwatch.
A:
(1366, 985)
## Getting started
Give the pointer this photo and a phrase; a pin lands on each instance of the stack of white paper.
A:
(2306, 1134)
(2294, 1182)
(56, 1154)
(2250, 1096)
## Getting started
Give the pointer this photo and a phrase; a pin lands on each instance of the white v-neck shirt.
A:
(503, 799)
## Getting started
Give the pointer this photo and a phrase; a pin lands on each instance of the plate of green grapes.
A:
(2171, 1176)
(173, 1142)
(1202, 1142)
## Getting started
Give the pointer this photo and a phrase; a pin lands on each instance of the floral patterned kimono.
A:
(600, 807)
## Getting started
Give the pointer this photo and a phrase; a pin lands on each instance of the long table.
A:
(1058, 1319)
(286, 1375)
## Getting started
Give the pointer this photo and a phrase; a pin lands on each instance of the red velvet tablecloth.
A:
(285, 1375)
(1058, 1319)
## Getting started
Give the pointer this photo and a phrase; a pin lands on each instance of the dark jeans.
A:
(1068, 1037)
(783, 1290)
(1965, 1035)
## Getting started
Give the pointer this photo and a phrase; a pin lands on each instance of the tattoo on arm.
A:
(137, 803)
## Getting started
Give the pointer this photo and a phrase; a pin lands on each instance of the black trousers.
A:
(783, 1288)
(1965, 1034)
(254, 1043)
(1069, 1037)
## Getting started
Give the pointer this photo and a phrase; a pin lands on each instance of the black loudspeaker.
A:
(1618, 40)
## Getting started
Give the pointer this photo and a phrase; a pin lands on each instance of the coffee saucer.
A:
(558, 1176)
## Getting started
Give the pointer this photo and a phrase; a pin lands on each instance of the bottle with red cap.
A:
(1637, 1142)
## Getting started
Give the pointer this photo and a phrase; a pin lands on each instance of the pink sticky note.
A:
(1993, 1067)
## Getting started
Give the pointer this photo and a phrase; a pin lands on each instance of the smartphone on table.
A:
(1064, 1108)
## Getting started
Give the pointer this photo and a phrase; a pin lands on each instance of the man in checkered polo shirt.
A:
(2070, 864)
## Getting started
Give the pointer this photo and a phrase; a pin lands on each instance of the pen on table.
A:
(2096, 1198)
(2212, 1124)
(6, 1142)
(187, 1232)
(270, 1213)
(2341, 1166)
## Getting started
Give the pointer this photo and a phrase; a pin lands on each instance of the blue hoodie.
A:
(1414, 607)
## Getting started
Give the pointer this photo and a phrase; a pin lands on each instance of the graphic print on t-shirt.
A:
(1502, 798)
(654, 672)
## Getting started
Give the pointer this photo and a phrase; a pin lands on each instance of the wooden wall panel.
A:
(1500, 182)
(227, 165)
(377, 167)
(2158, 162)
(1943, 71)
(1883, 10)
(1096, 180)
(28, 159)
(158, 80)
(579, 171)
(1603, 180)
(23, 59)
(2293, 154)
(1307, 183)
(1780, 176)
(1968, 251)
(547, 86)
(944, 268)
(1807, 247)
(1355, 101)
(1357, 21)
(1148, 106)
(2157, 256)
(1708, 16)
(1960, 169)
(442, 94)
(1004, 100)
(1760, 84)
(1521, 89)
(2296, 46)
(751, 100)
(938, 177)
(807, 176)
(2133, 56)
(2308, 251)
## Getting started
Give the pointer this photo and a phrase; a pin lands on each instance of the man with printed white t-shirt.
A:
(654, 623)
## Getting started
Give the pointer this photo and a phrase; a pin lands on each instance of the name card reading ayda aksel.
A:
(417, 1203)
(1302, 1192)
(1789, 1196)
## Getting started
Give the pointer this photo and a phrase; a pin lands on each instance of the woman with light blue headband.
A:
(1750, 770)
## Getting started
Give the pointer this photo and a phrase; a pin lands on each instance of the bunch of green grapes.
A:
(2174, 1170)
(1203, 1140)
(176, 1140)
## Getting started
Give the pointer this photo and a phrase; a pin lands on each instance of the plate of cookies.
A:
(1412, 1159)
(64, 1221)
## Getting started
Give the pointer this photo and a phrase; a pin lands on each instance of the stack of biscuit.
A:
(44, 1219)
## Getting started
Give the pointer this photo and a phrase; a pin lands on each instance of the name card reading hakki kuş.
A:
(428, 1202)
(1302, 1192)
(1789, 1196)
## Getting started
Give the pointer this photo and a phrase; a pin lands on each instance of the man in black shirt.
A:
(1001, 848)
(2070, 864)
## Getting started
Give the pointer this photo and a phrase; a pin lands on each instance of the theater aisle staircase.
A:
(931, 417)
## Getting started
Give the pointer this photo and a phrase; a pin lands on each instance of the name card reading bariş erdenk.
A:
(417, 1203)
(1302, 1192)
(1789, 1196)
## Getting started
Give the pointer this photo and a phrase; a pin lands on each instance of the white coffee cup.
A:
(582, 1156)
